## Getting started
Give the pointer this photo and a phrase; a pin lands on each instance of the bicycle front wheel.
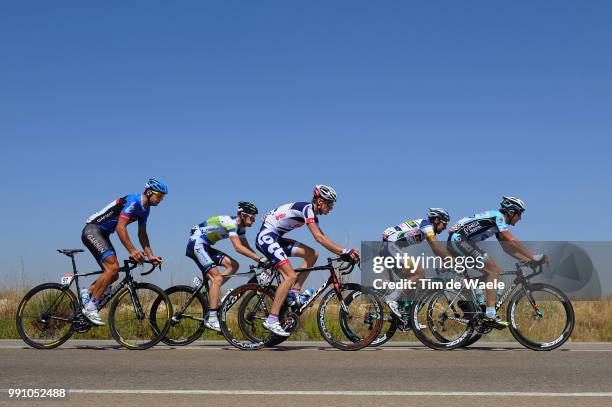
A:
(132, 323)
(442, 320)
(44, 317)
(189, 308)
(541, 317)
(350, 324)
(242, 314)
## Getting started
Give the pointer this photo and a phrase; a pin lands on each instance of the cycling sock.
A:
(295, 293)
(272, 318)
(212, 313)
(490, 312)
(92, 304)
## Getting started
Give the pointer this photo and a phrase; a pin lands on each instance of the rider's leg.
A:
(289, 276)
(492, 275)
(216, 280)
(110, 266)
(230, 266)
(310, 257)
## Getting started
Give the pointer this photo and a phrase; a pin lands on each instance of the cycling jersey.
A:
(217, 228)
(481, 226)
(289, 216)
(129, 207)
(410, 232)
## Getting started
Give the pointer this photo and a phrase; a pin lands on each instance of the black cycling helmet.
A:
(247, 207)
(438, 213)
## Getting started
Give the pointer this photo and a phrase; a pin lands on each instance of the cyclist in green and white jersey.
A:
(410, 233)
(200, 250)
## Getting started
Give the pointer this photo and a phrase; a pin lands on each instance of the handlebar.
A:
(345, 269)
(130, 264)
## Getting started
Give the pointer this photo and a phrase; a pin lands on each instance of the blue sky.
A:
(398, 105)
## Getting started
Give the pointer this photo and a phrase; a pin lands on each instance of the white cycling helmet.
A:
(325, 192)
(511, 203)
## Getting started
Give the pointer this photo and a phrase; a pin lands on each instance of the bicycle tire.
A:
(188, 327)
(159, 332)
(232, 332)
(373, 316)
(428, 333)
(518, 332)
(42, 324)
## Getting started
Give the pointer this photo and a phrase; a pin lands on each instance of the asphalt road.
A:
(213, 373)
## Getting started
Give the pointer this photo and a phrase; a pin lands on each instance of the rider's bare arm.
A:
(323, 240)
(513, 247)
(143, 238)
(242, 247)
(436, 247)
(123, 235)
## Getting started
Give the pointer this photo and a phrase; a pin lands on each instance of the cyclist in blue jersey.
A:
(467, 231)
(271, 242)
(115, 217)
(200, 250)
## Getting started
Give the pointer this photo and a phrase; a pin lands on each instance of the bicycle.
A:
(541, 316)
(190, 308)
(49, 314)
(333, 313)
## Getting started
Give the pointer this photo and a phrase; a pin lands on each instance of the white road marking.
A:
(342, 393)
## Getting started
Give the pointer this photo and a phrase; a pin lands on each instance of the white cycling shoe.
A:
(275, 328)
(93, 316)
(212, 324)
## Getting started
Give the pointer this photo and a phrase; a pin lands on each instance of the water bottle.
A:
(85, 297)
(264, 277)
(305, 296)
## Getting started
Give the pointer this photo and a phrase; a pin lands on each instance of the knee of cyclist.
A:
(234, 266)
(217, 279)
(312, 256)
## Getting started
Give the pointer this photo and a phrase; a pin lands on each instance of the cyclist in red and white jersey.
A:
(271, 243)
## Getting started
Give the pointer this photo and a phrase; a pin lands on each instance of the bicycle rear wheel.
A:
(45, 314)
(350, 324)
(186, 326)
(541, 317)
(132, 323)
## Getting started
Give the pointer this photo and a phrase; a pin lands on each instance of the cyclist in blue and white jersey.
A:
(200, 250)
(481, 226)
(410, 233)
(272, 243)
(115, 217)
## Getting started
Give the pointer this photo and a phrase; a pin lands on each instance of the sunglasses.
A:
(158, 194)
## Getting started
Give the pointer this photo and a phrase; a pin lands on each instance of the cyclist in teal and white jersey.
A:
(115, 217)
(276, 248)
(410, 233)
(200, 250)
(467, 231)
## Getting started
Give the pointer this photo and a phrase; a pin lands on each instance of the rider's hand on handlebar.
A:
(538, 260)
(137, 256)
(157, 260)
(351, 255)
(263, 263)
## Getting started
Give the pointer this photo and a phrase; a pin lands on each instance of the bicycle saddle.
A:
(70, 252)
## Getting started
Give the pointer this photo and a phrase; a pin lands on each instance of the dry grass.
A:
(593, 322)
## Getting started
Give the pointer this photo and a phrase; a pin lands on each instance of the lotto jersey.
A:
(129, 207)
(217, 228)
(410, 232)
(481, 226)
(289, 216)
